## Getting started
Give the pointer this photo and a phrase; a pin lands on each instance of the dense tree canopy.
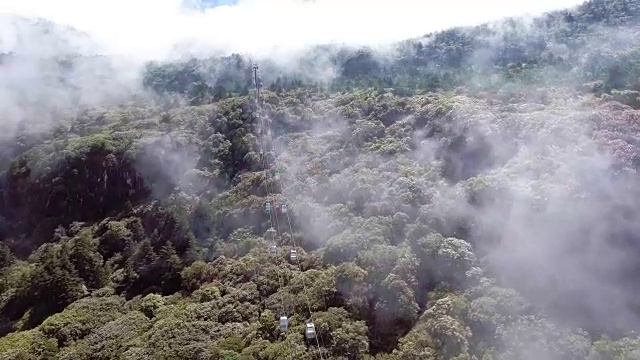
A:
(595, 42)
(445, 203)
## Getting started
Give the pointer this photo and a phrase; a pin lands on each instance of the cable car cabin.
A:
(310, 332)
(267, 207)
(271, 232)
(283, 208)
(293, 255)
(274, 249)
(284, 323)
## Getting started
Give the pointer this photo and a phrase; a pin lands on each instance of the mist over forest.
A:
(471, 193)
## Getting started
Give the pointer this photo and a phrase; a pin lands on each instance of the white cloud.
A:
(149, 28)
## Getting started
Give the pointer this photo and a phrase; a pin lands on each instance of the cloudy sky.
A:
(149, 28)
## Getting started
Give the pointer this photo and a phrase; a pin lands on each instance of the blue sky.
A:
(214, 3)
(208, 4)
(149, 29)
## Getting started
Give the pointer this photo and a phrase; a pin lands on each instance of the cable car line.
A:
(283, 320)
(310, 330)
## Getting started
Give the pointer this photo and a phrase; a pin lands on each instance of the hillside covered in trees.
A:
(472, 194)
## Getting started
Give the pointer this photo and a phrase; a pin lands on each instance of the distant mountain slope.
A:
(49, 72)
(39, 38)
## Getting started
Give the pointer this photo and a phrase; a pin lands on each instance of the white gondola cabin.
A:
(293, 255)
(274, 250)
(267, 207)
(270, 233)
(310, 332)
(284, 323)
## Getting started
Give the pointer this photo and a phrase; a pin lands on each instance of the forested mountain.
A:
(596, 42)
(472, 194)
